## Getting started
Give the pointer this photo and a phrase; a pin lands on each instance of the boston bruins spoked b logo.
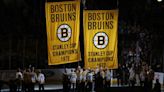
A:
(64, 32)
(100, 40)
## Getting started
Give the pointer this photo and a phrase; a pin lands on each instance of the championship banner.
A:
(100, 38)
(62, 21)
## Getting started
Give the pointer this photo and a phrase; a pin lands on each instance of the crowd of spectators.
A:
(139, 43)
(88, 80)
(136, 62)
(26, 80)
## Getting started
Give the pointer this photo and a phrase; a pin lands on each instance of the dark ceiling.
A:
(27, 16)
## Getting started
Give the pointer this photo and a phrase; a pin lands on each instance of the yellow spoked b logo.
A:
(100, 40)
(64, 32)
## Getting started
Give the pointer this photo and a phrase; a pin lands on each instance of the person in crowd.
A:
(96, 69)
(19, 79)
(41, 80)
(23, 84)
(33, 78)
(102, 73)
(137, 73)
(142, 77)
(157, 86)
(125, 73)
(150, 74)
(132, 79)
(84, 80)
(73, 78)
(66, 82)
(99, 81)
(107, 78)
(27, 80)
(79, 78)
(146, 85)
(119, 75)
(90, 80)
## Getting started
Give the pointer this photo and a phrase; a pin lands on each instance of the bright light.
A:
(159, 0)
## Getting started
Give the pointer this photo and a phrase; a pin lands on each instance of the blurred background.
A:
(23, 38)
